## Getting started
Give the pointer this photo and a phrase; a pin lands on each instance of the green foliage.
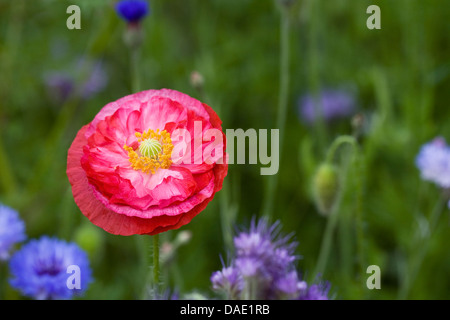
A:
(400, 74)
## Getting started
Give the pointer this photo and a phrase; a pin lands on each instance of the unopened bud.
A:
(166, 253)
(89, 238)
(358, 123)
(169, 249)
(197, 80)
(183, 237)
(326, 188)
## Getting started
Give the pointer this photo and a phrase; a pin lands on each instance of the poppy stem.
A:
(337, 143)
(327, 239)
(156, 261)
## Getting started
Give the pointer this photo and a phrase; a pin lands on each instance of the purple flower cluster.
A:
(85, 78)
(12, 231)
(433, 162)
(40, 269)
(330, 104)
(264, 268)
(59, 85)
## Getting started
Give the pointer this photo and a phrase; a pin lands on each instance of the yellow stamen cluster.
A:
(150, 164)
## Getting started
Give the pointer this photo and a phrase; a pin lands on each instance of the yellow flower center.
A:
(154, 151)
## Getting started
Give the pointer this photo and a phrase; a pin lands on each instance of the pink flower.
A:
(147, 163)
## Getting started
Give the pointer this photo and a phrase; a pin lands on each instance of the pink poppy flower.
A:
(148, 162)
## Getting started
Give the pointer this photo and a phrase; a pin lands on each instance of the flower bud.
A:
(89, 238)
(358, 123)
(169, 249)
(326, 188)
(183, 237)
(197, 80)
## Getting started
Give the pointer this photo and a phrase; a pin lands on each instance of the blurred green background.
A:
(400, 75)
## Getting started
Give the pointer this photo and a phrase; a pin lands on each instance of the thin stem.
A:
(251, 289)
(333, 216)
(284, 73)
(345, 245)
(227, 215)
(2, 280)
(143, 245)
(156, 261)
(337, 143)
(7, 178)
(135, 77)
(417, 260)
(282, 104)
(327, 240)
(314, 76)
(359, 214)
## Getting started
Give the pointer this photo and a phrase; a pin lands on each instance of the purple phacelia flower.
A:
(132, 11)
(289, 285)
(330, 104)
(41, 269)
(263, 266)
(319, 291)
(433, 162)
(12, 230)
(229, 280)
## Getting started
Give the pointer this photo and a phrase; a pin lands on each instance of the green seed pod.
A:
(326, 188)
(150, 148)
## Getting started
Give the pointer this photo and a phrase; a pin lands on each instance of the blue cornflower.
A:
(330, 104)
(263, 266)
(12, 230)
(44, 269)
(433, 162)
(132, 10)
